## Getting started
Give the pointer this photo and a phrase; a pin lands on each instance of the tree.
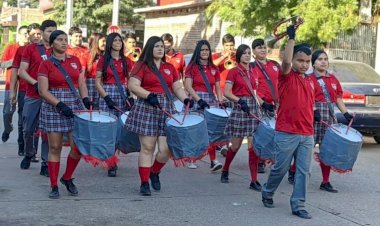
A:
(324, 19)
(97, 14)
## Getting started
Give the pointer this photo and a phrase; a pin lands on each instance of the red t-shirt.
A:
(8, 55)
(56, 79)
(222, 70)
(333, 87)
(16, 64)
(177, 60)
(109, 77)
(76, 51)
(273, 71)
(85, 64)
(32, 56)
(149, 79)
(239, 86)
(295, 113)
(199, 84)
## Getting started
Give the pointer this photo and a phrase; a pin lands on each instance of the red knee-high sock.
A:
(71, 165)
(293, 168)
(144, 174)
(157, 166)
(53, 173)
(253, 161)
(325, 172)
(212, 152)
(229, 157)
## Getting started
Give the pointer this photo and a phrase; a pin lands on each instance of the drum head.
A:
(219, 111)
(96, 116)
(352, 135)
(190, 120)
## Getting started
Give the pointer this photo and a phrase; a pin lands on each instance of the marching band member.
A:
(196, 86)
(76, 47)
(57, 108)
(89, 61)
(131, 48)
(268, 71)
(32, 57)
(294, 126)
(240, 85)
(146, 117)
(173, 56)
(328, 92)
(112, 65)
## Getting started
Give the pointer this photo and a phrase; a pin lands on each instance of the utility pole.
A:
(69, 14)
(115, 12)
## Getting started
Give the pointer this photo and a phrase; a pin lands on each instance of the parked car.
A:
(361, 95)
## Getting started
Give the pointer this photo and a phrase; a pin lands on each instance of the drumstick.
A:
(257, 118)
(187, 109)
(328, 125)
(349, 124)
(118, 109)
(171, 116)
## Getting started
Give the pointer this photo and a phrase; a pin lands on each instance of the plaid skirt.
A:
(113, 92)
(240, 124)
(92, 92)
(53, 121)
(144, 119)
(206, 97)
(319, 128)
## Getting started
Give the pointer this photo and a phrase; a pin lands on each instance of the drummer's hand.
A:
(152, 100)
(348, 116)
(267, 106)
(12, 97)
(222, 104)
(243, 106)
(203, 104)
(109, 102)
(64, 109)
(188, 101)
(317, 116)
(87, 103)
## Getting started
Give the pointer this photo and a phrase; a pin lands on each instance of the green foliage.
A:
(97, 14)
(324, 19)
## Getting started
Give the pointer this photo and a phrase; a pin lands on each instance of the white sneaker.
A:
(192, 166)
(215, 166)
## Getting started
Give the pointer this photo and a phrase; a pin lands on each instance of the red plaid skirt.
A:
(92, 92)
(144, 119)
(240, 124)
(319, 128)
(113, 92)
(53, 121)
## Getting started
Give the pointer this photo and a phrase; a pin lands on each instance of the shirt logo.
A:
(167, 71)
(44, 57)
(334, 86)
(74, 65)
(213, 72)
(275, 68)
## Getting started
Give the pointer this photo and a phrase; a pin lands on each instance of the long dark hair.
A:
(146, 56)
(108, 57)
(93, 49)
(240, 51)
(196, 57)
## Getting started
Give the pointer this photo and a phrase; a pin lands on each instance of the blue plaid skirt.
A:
(92, 92)
(113, 92)
(319, 128)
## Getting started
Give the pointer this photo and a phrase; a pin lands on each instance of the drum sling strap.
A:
(64, 73)
(163, 83)
(326, 94)
(250, 88)
(270, 84)
(124, 96)
(42, 52)
(207, 83)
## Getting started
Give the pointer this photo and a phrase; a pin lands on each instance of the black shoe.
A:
(44, 171)
(34, 159)
(261, 168)
(223, 151)
(70, 186)
(112, 172)
(255, 186)
(215, 166)
(25, 163)
(268, 203)
(302, 214)
(224, 177)
(328, 187)
(291, 178)
(5, 136)
(145, 189)
(155, 181)
(54, 194)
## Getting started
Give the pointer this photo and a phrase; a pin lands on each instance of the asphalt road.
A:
(188, 197)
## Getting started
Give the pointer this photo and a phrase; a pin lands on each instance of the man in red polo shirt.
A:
(76, 48)
(6, 64)
(294, 126)
(173, 56)
(32, 57)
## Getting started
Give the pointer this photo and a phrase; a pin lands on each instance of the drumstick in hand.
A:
(349, 124)
(328, 125)
(187, 109)
(171, 116)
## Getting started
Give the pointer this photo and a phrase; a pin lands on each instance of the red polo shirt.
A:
(56, 79)
(8, 55)
(333, 87)
(32, 56)
(295, 113)
(222, 70)
(85, 60)
(109, 77)
(177, 60)
(77, 51)
(273, 71)
(149, 79)
(16, 64)
(199, 85)
(239, 86)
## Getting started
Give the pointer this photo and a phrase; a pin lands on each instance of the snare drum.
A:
(216, 120)
(340, 150)
(187, 142)
(127, 141)
(95, 136)
(263, 139)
